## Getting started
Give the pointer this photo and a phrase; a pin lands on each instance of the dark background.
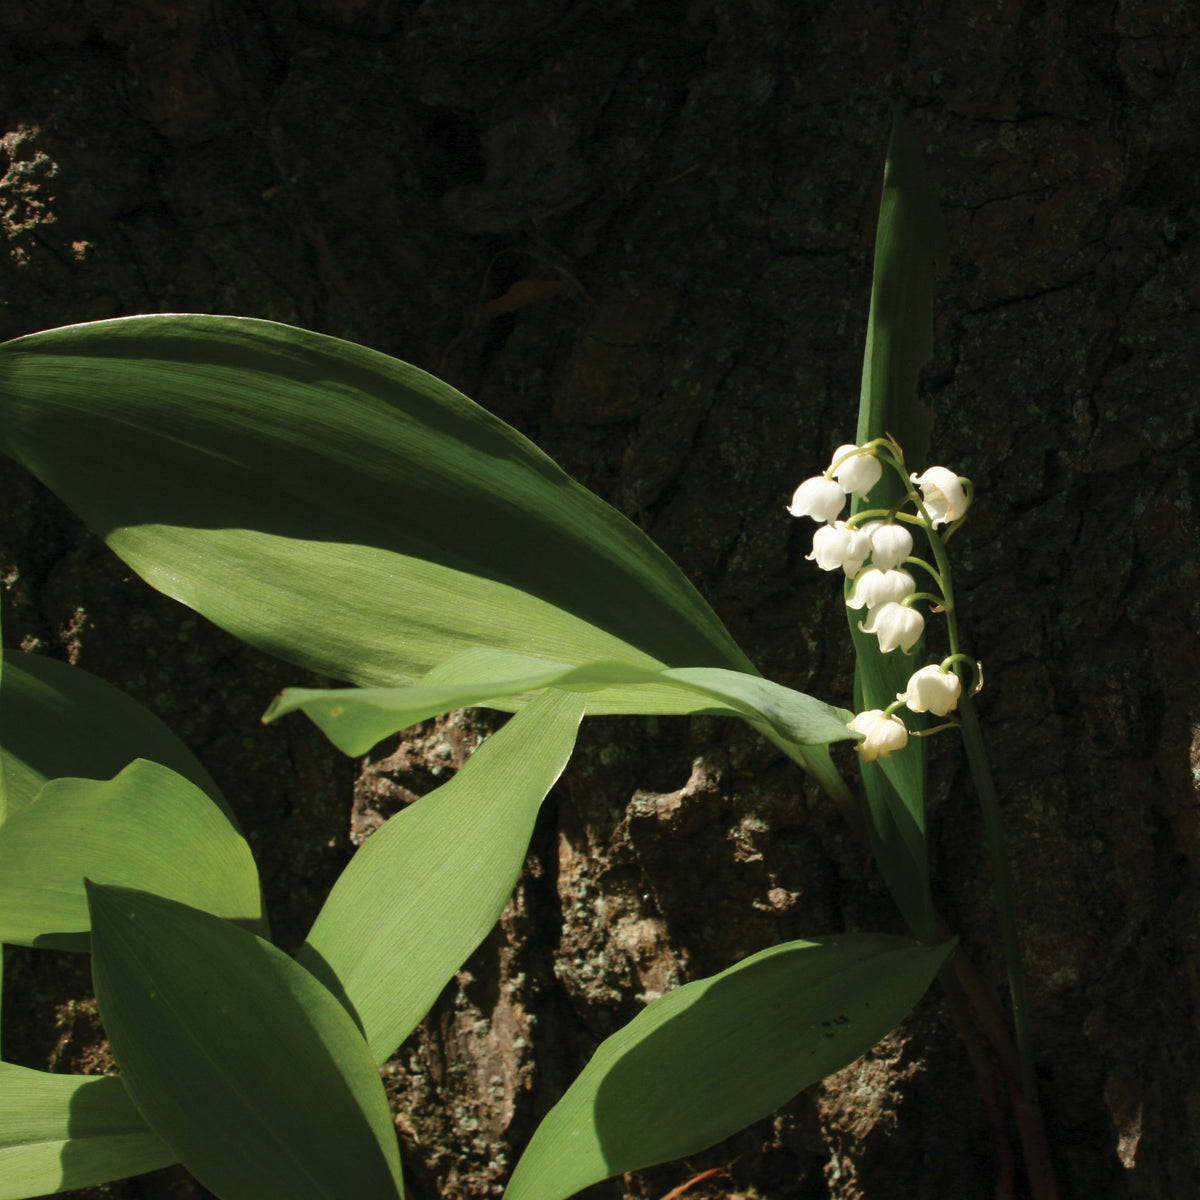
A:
(641, 233)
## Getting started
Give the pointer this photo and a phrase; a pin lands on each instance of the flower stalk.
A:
(880, 537)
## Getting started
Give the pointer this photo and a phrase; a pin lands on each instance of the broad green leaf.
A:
(425, 888)
(713, 1056)
(59, 1132)
(251, 1072)
(5, 803)
(146, 828)
(909, 241)
(338, 508)
(57, 720)
(355, 719)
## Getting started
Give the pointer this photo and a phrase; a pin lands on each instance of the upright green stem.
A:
(993, 831)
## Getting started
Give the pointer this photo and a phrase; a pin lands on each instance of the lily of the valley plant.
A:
(357, 517)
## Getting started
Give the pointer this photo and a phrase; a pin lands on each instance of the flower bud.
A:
(875, 587)
(890, 546)
(819, 498)
(895, 625)
(943, 494)
(883, 735)
(932, 690)
(838, 545)
(858, 473)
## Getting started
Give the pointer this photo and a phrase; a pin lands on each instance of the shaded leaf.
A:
(57, 720)
(70, 1131)
(237, 1057)
(713, 1056)
(909, 241)
(148, 828)
(424, 890)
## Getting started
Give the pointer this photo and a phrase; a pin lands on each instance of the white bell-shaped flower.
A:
(838, 545)
(819, 498)
(894, 625)
(883, 735)
(875, 587)
(890, 545)
(943, 494)
(932, 690)
(858, 473)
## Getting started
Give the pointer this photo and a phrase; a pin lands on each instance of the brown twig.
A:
(675, 1193)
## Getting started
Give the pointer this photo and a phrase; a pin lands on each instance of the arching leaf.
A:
(713, 1056)
(336, 507)
(57, 720)
(146, 828)
(355, 719)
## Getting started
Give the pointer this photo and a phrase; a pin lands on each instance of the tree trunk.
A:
(642, 234)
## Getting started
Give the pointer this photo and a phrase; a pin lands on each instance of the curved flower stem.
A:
(937, 575)
(938, 600)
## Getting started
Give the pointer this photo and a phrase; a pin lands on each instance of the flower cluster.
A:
(872, 549)
(934, 689)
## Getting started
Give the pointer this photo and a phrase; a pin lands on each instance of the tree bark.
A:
(642, 234)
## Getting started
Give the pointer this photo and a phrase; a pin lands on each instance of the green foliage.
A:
(353, 515)
(70, 1131)
(247, 1067)
(354, 719)
(57, 720)
(909, 241)
(147, 828)
(712, 1056)
(424, 889)
(337, 508)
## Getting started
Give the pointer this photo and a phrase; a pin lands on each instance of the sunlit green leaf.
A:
(57, 720)
(5, 803)
(425, 888)
(251, 1072)
(710, 1058)
(336, 507)
(355, 719)
(59, 1132)
(147, 828)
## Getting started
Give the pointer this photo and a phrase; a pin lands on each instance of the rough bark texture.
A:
(641, 233)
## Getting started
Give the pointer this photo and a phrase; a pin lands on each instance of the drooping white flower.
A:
(819, 498)
(838, 545)
(883, 735)
(875, 587)
(932, 690)
(890, 545)
(859, 473)
(943, 494)
(894, 625)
